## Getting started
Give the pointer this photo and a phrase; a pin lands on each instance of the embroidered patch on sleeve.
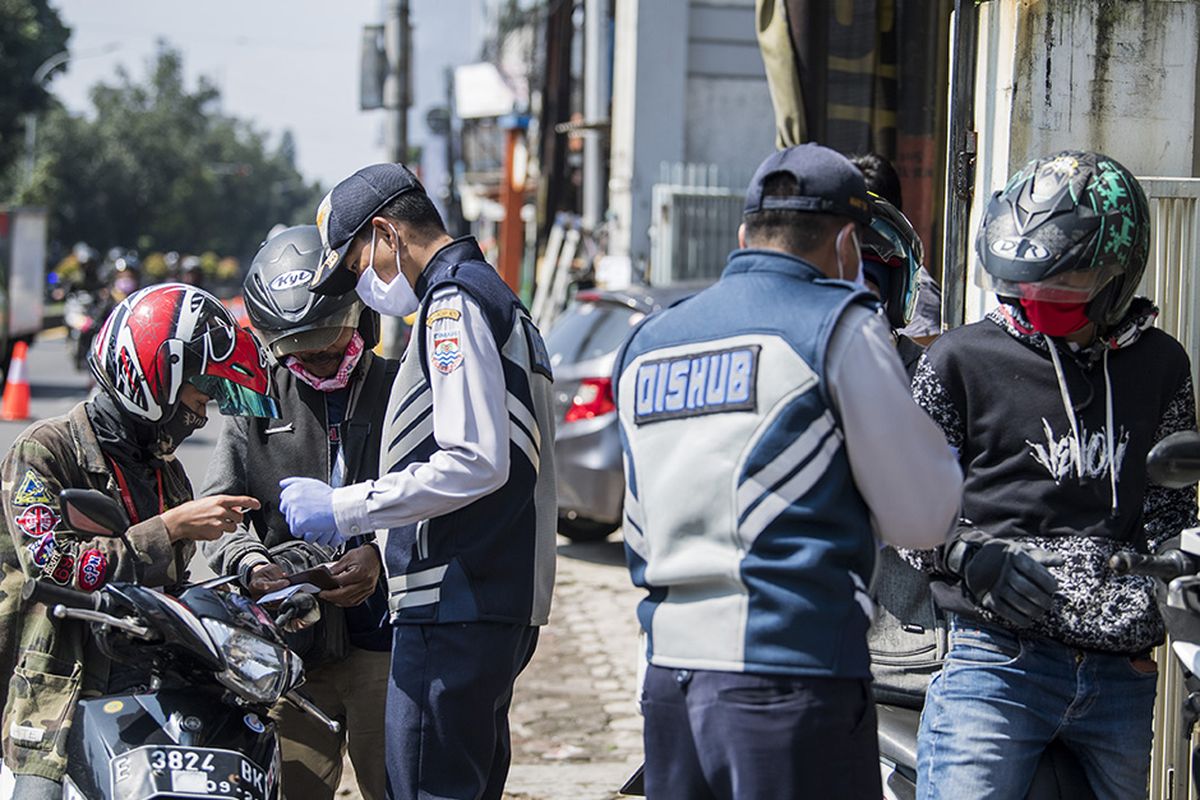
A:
(446, 354)
(37, 520)
(41, 549)
(32, 489)
(443, 313)
(62, 571)
(93, 569)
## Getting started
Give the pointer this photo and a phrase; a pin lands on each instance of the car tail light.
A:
(593, 398)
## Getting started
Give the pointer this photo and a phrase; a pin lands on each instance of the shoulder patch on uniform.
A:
(713, 382)
(446, 354)
(37, 520)
(32, 489)
(443, 313)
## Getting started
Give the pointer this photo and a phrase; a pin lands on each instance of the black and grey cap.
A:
(346, 210)
(828, 184)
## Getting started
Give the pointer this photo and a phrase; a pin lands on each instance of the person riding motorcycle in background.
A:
(159, 358)
(1053, 402)
(333, 393)
(121, 273)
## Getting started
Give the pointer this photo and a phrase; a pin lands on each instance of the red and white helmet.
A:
(164, 335)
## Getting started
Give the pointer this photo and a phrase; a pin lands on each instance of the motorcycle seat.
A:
(898, 734)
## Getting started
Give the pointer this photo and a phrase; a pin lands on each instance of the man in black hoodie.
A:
(1053, 402)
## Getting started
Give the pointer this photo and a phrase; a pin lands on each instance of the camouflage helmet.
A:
(1068, 228)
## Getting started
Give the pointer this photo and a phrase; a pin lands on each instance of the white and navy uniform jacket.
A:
(768, 430)
(466, 503)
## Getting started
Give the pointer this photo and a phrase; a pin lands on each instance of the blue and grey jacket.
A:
(743, 521)
(466, 499)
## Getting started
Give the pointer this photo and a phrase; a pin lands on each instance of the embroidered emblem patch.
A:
(93, 568)
(63, 570)
(41, 549)
(447, 354)
(443, 313)
(31, 490)
(37, 520)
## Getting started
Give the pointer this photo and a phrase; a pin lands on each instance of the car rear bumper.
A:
(587, 458)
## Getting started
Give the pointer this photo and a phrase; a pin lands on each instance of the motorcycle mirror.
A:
(1175, 461)
(92, 511)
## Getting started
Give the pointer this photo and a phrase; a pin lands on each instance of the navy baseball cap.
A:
(346, 210)
(828, 184)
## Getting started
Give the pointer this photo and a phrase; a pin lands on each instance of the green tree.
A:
(30, 32)
(158, 166)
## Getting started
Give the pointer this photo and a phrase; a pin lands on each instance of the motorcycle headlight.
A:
(257, 669)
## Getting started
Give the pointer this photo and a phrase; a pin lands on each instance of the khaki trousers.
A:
(354, 692)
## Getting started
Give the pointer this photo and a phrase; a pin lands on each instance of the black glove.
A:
(1005, 577)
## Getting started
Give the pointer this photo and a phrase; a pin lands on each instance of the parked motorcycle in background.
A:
(216, 662)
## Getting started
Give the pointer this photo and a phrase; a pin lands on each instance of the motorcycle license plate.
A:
(160, 771)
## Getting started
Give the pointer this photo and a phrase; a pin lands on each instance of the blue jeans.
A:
(1001, 698)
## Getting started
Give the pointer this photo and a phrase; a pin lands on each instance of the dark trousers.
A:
(447, 718)
(727, 736)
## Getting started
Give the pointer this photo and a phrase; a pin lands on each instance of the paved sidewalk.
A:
(577, 733)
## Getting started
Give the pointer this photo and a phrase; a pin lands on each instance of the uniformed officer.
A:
(778, 394)
(466, 502)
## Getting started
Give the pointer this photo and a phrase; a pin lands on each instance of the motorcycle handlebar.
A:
(52, 594)
(298, 605)
(1167, 565)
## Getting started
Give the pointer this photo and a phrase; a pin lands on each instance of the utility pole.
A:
(398, 88)
(397, 96)
(595, 112)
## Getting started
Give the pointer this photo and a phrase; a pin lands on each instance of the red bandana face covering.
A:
(340, 379)
(1055, 319)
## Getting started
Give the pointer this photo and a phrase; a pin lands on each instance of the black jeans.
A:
(727, 735)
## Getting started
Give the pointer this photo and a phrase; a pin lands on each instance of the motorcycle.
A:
(1175, 463)
(216, 663)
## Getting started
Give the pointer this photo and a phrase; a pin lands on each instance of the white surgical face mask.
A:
(857, 278)
(395, 299)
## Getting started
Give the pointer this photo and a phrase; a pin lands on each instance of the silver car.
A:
(583, 343)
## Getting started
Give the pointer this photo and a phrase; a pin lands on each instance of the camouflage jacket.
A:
(53, 662)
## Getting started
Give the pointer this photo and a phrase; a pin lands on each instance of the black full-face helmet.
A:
(281, 308)
(892, 256)
(1069, 228)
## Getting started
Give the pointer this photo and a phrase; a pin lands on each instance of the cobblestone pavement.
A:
(577, 733)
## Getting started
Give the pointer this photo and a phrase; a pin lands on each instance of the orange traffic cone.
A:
(15, 405)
